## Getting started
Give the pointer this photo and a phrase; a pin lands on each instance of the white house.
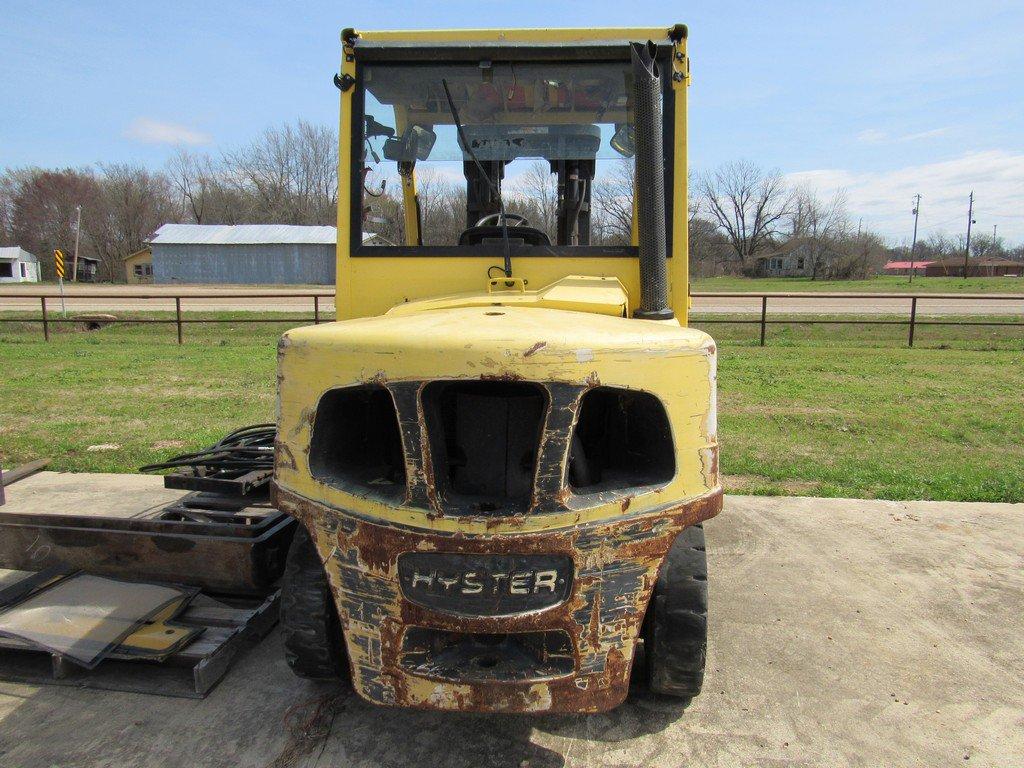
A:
(18, 266)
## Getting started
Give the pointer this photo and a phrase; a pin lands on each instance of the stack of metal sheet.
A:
(83, 618)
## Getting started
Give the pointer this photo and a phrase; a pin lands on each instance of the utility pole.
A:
(913, 243)
(994, 227)
(78, 231)
(970, 220)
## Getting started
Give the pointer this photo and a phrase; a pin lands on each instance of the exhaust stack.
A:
(650, 184)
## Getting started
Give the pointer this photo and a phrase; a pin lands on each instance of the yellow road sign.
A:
(58, 259)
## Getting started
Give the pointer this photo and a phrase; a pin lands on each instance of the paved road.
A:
(844, 633)
(78, 299)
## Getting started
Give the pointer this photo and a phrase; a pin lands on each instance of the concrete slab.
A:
(82, 493)
(843, 633)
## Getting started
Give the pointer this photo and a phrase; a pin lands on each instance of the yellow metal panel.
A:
(385, 282)
(343, 273)
(531, 344)
(575, 293)
(557, 36)
(679, 272)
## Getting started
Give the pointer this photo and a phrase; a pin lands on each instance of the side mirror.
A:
(415, 144)
(373, 128)
(622, 142)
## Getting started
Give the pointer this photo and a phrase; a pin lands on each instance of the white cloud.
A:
(150, 131)
(884, 198)
(930, 134)
(872, 136)
(878, 136)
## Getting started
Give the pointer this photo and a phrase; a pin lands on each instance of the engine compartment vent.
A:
(356, 444)
(484, 437)
(622, 440)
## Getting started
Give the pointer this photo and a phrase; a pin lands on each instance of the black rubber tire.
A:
(313, 642)
(675, 629)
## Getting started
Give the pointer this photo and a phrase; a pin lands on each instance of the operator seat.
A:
(519, 229)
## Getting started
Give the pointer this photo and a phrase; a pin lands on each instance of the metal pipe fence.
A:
(912, 322)
(46, 317)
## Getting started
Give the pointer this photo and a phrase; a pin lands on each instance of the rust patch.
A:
(535, 348)
(502, 376)
(616, 563)
(283, 456)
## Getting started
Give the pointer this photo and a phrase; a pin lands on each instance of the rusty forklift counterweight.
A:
(502, 453)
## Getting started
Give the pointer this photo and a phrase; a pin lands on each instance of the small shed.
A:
(18, 266)
(88, 268)
(247, 254)
(138, 267)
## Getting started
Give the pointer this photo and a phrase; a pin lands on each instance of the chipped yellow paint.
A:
(472, 342)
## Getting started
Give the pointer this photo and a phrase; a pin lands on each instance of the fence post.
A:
(913, 319)
(764, 314)
(177, 313)
(46, 322)
(316, 310)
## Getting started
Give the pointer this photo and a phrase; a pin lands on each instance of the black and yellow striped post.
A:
(58, 263)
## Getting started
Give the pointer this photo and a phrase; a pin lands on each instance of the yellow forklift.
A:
(502, 452)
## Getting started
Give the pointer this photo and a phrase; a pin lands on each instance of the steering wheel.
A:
(511, 220)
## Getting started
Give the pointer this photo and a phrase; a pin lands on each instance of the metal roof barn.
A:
(245, 254)
(18, 266)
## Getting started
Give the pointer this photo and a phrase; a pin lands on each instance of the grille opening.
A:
(484, 438)
(460, 656)
(356, 444)
(622, 440)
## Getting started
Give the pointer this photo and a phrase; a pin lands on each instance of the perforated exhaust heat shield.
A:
(650, 183)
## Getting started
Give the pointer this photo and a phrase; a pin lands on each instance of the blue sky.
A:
(882, 100)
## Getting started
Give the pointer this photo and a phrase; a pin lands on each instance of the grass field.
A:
(822, 410)
(881, 284)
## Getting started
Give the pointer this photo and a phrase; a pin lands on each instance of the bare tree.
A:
(748, 204)
(612, 203)
(132, 203)
(442, 207)
(290, 173)
(987, 247)
(43, 215)
(535, 195)
(198, 182)
(8, 187)
(860, 255)
(818, 227)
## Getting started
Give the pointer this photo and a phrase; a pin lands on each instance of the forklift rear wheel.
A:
(676, 625)
(313, 642)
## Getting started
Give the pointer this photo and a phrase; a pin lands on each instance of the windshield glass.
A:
(554, 138)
